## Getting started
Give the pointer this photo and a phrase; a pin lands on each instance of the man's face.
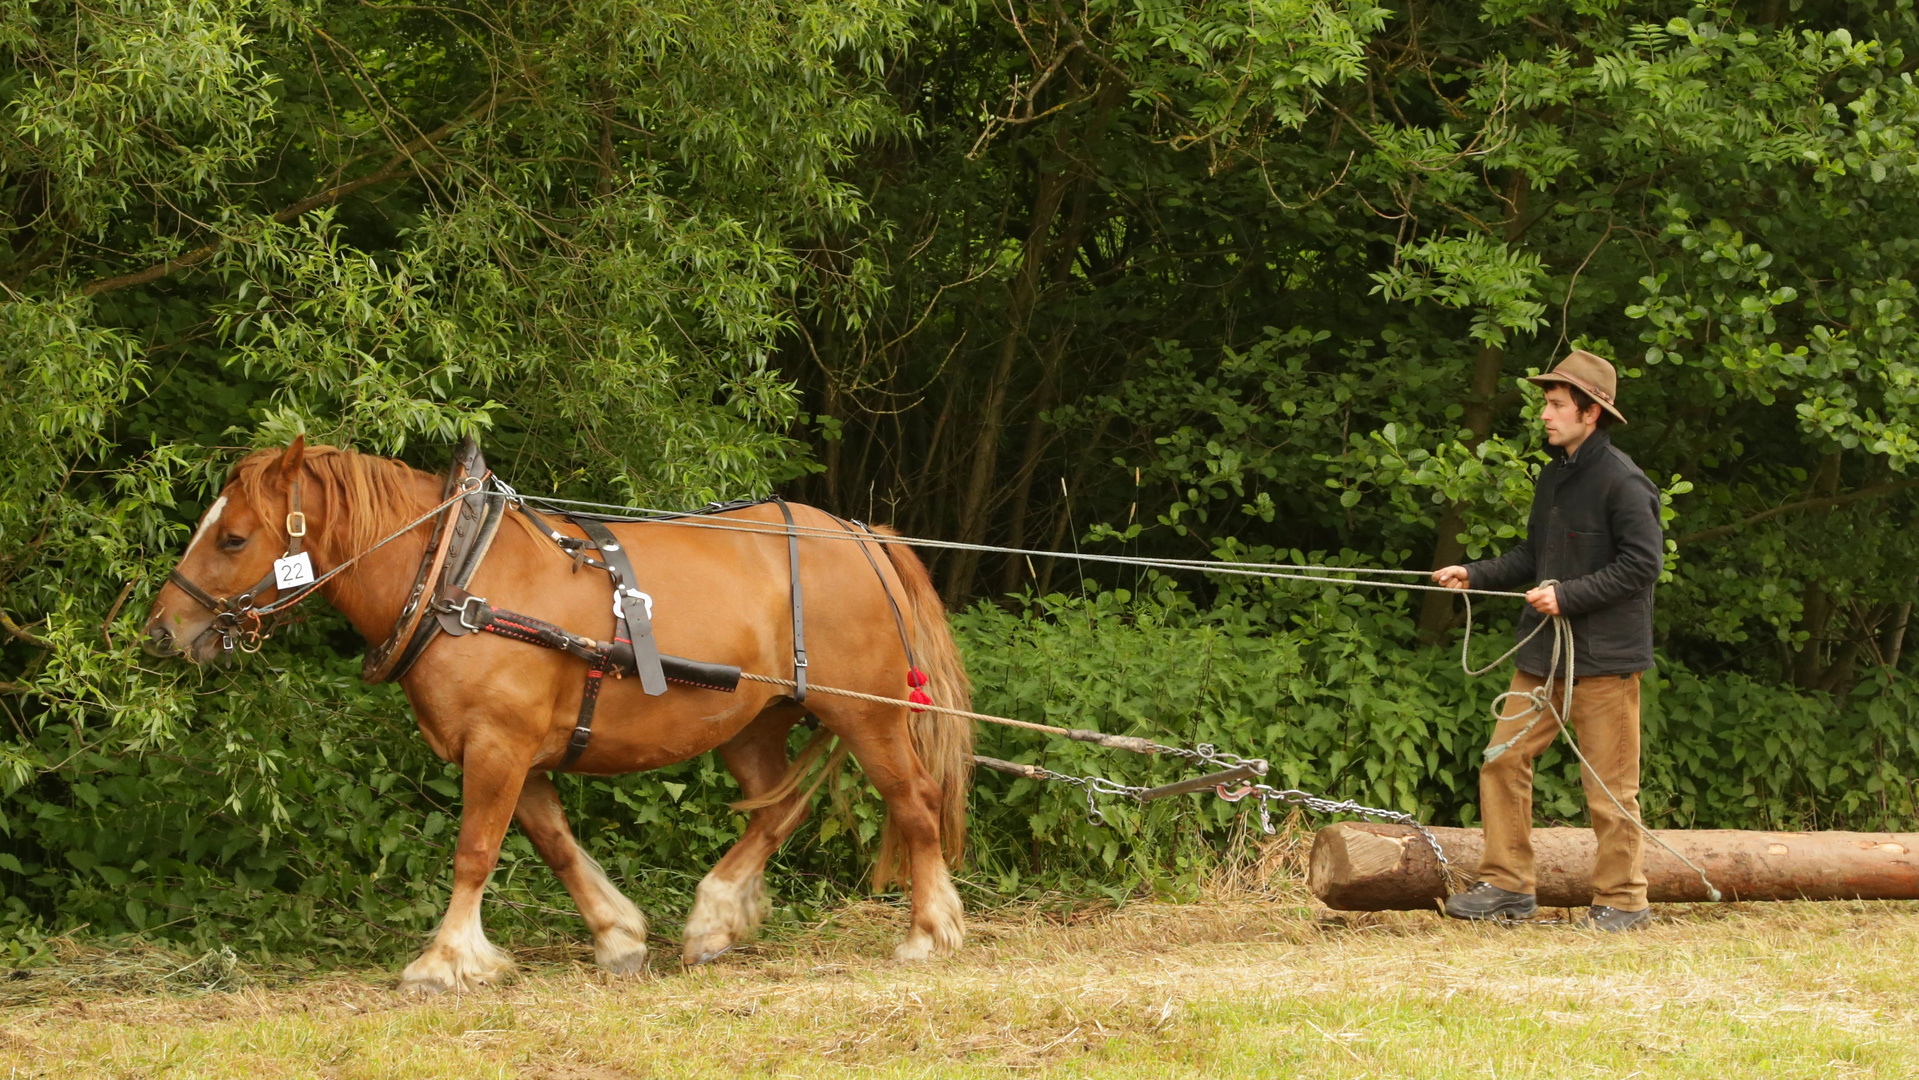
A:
(1565, 426)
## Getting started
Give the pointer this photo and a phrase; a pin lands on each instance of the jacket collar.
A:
(1594, 445)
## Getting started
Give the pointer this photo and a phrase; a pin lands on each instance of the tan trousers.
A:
(1605, 717)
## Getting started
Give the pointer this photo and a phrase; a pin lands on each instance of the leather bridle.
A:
(241, 622)
(236, 618)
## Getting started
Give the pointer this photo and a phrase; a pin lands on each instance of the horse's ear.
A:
(290, 461)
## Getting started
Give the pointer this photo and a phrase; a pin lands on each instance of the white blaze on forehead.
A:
(206, 525)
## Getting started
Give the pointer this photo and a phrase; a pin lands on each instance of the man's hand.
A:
(1453, 577)
(1544, 599)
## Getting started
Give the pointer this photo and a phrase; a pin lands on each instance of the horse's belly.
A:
(651, 733)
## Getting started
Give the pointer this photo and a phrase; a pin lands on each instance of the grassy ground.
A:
(1231, 987)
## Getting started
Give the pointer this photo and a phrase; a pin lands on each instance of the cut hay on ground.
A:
(1237, 986)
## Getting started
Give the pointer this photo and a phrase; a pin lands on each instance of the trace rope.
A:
(1355, 576)
(1236, 769)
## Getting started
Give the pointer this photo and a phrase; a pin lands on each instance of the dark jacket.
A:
(1594, 527)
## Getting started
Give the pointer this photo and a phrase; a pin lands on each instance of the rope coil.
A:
(1542, 705)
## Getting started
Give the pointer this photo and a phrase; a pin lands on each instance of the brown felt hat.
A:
(1590, 373)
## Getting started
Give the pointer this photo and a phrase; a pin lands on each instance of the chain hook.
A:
(1093, 812)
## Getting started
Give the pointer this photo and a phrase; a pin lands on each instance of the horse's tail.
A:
(943, 742)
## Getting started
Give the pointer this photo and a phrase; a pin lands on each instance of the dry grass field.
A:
(1237, 986)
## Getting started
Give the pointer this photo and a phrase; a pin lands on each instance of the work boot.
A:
(1488, 901)
(1614, 921)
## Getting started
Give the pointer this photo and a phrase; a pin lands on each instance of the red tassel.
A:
(918, 697)
(916, 678)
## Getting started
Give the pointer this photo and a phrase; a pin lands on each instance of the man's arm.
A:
(1519, 565)
(1632, 514)
(1515, 567)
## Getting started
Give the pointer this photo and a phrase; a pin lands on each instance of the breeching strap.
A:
(899, 621)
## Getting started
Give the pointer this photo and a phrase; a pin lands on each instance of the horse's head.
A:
(229, 561)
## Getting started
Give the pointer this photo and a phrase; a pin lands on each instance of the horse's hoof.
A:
(632, 962)
(424, 985)
(620, 950)
(435, 973)
(920, 945)
(705, 949)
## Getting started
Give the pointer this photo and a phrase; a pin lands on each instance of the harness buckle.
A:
(619, 609)
(297, 524)
(466, 607)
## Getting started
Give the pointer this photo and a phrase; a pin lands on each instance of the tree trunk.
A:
(1015, 566)
(1036, 437)
(1070, 163)
(1358, 866)
(992, 409)
(1894, 642)
(1436, 613)
(1809, 668)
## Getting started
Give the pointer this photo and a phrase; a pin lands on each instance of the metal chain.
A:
(1319, 804)
(1208, 754)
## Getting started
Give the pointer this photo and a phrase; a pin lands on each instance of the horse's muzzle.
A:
(159, 640)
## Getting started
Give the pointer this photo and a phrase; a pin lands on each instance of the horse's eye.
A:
(232, 543)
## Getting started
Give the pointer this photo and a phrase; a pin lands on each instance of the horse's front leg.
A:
(460, 957)
(619, 930)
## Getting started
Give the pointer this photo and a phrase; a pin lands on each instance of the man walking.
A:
(1592, 552)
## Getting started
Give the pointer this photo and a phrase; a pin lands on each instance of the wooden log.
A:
(1360, 866)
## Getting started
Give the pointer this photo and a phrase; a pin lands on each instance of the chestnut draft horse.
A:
(505, 710)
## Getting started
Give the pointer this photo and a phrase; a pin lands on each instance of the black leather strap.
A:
(632, 605)
(464, 531)
(899, 620)
(589, 701)
(474, 614)
(799, 606)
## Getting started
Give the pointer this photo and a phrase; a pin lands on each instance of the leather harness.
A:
(454, 555)
(463, 533)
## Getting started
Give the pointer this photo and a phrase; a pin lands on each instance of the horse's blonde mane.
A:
(373, 496)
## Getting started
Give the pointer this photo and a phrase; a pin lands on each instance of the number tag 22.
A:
(293, 570)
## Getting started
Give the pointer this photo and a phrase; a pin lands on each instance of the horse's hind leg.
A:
(881, 743)
(619, 930)
(731, 900)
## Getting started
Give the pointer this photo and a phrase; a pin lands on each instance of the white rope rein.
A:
(1540, 697)
(1280, 571)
